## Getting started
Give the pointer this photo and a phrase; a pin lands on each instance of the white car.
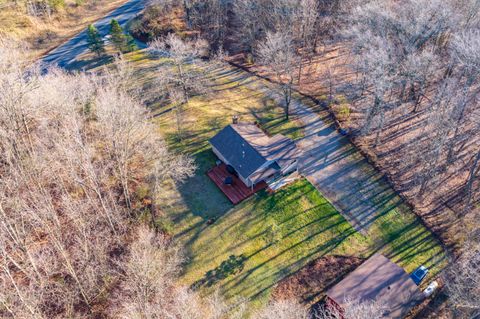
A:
(430, 289)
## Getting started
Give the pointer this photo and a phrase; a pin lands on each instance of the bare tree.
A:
(463, 282)
(472, 176)
(465, 48)
(249, 25)
(283, 309)
(418, 59)
(408, 35)
(150, 289)
(149, 275)
(439, 128)
(352, 309)
(185, 75)
(211, 18)
(70, 161)
(378, 80)
(254, 19)
(307, 16)
(278, 54)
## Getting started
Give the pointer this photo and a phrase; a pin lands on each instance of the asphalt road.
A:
(65, 54)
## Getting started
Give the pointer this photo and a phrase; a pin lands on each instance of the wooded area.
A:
(83, 167)
(80, 164)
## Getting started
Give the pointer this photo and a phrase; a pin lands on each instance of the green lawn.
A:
(252, 247)
(262, 240)
(255, 244)
(233, 93)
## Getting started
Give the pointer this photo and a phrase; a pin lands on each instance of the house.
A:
(254, 155)
(377, 279)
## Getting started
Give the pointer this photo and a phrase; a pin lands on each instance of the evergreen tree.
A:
(121, 41)
(117, 36)
(95, 41)
(131, 45)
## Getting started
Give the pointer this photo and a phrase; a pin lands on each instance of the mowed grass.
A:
(255, 244)
(266, 238)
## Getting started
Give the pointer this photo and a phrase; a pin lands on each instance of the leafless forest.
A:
(81, 161)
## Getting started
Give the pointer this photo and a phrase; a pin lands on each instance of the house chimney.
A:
(235, 119)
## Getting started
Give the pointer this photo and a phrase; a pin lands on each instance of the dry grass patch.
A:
(43, 33)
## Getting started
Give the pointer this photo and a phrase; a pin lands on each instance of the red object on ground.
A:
(334, 307)
(236, 192)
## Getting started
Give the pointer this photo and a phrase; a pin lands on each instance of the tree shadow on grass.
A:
(231, 266)
(273, 121)
(270, 279)
(90, 63)
(203, 200)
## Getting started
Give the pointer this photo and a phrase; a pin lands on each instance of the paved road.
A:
(65, 54)
(334, 166)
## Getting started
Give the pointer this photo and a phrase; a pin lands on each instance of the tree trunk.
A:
(182, 80)
(299, 71)
(372, 112)
(471, 178)
(288, 99)
(186, 7)
(402, 91)
(379, 129)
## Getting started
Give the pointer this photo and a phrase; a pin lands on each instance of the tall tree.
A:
(463, 281)
(63, 200)
(122, 42)
(283, 309)
(307, 15)
(472, 175)
(116, 34)
(352, 309)
(95, 41)
(278, 54)
(150, 289)
(211, 18)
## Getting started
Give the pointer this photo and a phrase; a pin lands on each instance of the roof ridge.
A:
(254, 147)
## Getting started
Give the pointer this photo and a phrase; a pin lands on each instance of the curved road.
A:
(66, 53)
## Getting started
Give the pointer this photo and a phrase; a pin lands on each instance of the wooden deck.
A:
(236, 192)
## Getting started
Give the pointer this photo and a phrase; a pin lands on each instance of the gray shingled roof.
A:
(237, 151)
(246, 147)
(382, 280)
